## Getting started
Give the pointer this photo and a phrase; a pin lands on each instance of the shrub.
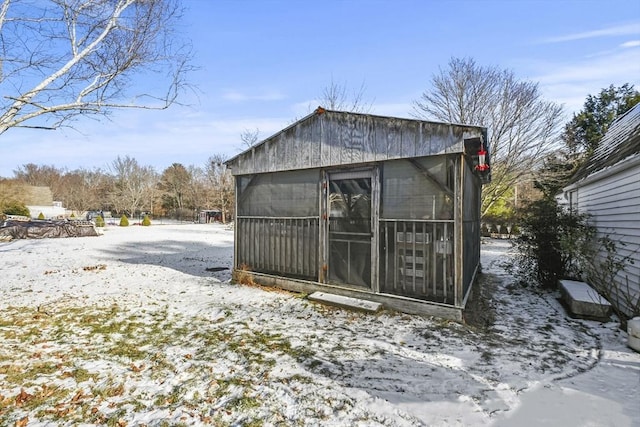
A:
(146, 221)
(72, 216)
(124, 222)
(99, 221)
(16, 208)
(41, 216)
(602, 267)
(550, 243)
(559, 244)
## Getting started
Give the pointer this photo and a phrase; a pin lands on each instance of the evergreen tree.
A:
(585, 130)
(583, 134)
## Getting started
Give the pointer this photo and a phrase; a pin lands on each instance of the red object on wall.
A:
(482, 164)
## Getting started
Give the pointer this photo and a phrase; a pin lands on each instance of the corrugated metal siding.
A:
(331, 138)
(614, 204)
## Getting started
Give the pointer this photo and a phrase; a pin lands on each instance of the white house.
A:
(53, 211)
(608, 189)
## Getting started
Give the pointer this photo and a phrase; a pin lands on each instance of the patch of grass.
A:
(56, 346)
(21, 374)
(129, 350)
(110, 388)
(80, 375)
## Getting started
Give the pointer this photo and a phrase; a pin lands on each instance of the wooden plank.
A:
(338, 138)
(394, 139)
(333, 136)
(345, 302)
(368, 141)
(398, 303)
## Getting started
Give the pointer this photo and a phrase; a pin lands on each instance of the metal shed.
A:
(380, 208)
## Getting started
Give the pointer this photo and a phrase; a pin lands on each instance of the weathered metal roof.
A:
(621, 141)
(328, 138)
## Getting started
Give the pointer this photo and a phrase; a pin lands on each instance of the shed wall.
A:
(335, 139)
(423, 197)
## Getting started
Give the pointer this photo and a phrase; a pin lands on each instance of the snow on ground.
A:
(132, 329)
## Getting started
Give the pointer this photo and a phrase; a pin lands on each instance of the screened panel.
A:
(282, 246)
(416, 260)
(418, 189)
(350, 231)
(470, 227)
(283, 194)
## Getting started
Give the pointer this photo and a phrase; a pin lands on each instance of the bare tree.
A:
(84, 189)
(133, 184)
(522, 126)
(221, 182)
(249, 137)
(336, 96)
(42, 176)
(197, 193)
(67, 58)
(175, 184)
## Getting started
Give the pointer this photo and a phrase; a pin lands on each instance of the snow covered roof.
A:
(621, 141)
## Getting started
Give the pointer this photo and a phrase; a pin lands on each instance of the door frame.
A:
(373, 173)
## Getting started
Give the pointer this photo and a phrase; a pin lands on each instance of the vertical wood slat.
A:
(386, 253)
(286, 259)
(308, 255)
(254, 244)
(299, 260)
(281, 245)
(425, 264)
(434, 260)
(395, 256)
(413, 250)
(444, 264)
(265, 240)
(248, 243)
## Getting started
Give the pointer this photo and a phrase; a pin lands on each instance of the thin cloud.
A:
(570, 83)
(239, 96)
(631, 43)
(625, 64)
(621, 30)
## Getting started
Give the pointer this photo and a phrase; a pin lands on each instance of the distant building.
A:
(209, 215)
(54, 211)
(40, 200)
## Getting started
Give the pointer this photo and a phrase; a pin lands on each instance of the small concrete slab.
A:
(345, 302)
(584, 301)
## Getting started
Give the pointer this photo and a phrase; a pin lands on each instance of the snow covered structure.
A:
(607, 188)
(53, 211)
(379, 208)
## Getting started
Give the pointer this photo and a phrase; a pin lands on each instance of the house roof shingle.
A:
(621, 141)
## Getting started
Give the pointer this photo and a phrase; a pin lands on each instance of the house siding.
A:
(613, 203)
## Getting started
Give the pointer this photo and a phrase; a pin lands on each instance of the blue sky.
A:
(264, 63)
